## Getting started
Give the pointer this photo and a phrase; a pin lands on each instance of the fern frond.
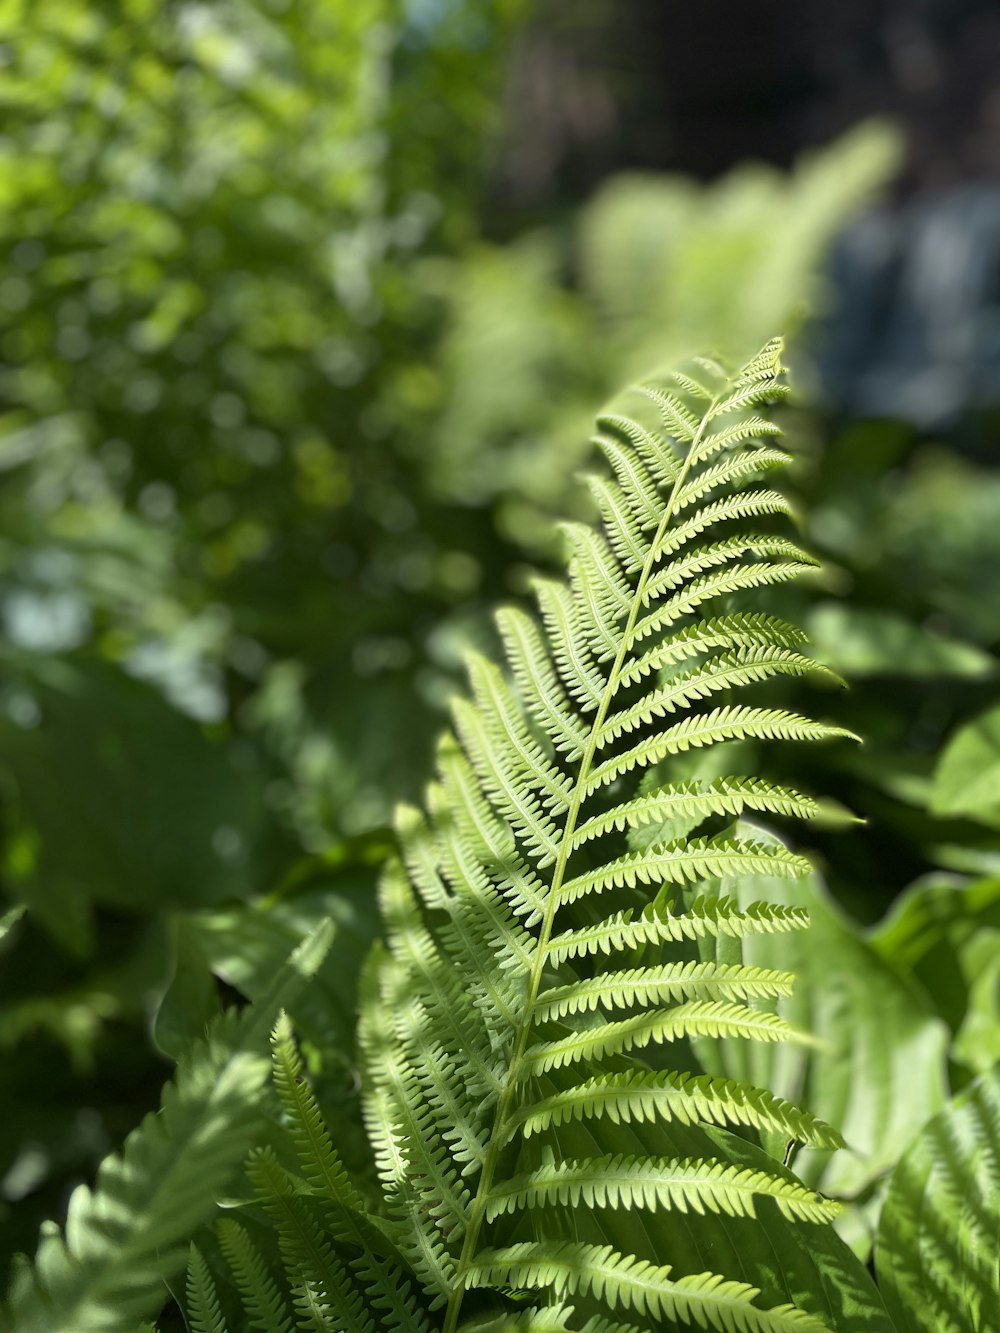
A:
(704, 558)
(745, 667)
(514, 796)
(698, 1018)
(686, 862)
(735, 631)
(128, 1234)
(390, 1127)
(263, 1303)
(654, 985)
(345, 1216)
(322, 1290)
(484, 1041)
(623, 529)
(549, 1319)
(647, 1182)
(707, 918)
(636, 1097)
(499, 707)
(937, 1256)
(734, 722)
(658, 452)
(203, 1308)
(635, 483)
(476, 845)
(571, 655)
(599, 587)
(538, 683)
(694, 800)
(691, 386)
(722, 583)
(321, 1164)
(418, 957)
(637, 1284)
(440, 1075)
(744, 504)
(729, 471)
(430, 1170)
(680, 422)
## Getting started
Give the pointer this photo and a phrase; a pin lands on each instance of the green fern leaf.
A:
(125, 1237)
(735, 631)
(685, 862)
(938, 1255)
(538, 682)
(744, 504)
(488, 1033)
(644, 1182)
(633, 1097)
(320, 1163)
(263, 1303)
(734, 722)
(636, 1284)
(324, 1295)
(721, 673)
(707, 917)
(550, 1319)
(653, 985)
(703, 558)
(724, 796)
(722, 583)
(372, 1258)
(204, 1311)
(699, 1018)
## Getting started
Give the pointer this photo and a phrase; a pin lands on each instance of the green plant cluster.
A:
(281, 419)
(566, 1106)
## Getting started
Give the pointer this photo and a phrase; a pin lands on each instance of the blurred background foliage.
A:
(306, 307)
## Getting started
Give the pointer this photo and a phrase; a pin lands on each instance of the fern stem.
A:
(498, 1135)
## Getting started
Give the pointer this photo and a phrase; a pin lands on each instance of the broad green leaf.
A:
(243, 945)
(9, 920)
(943, 934)
(860, 642)
(191, 1000)
(938, 1256)
(123, 802)
(967, 777)
(977, 1042)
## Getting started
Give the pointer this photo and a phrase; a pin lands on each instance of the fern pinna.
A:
(542, 925)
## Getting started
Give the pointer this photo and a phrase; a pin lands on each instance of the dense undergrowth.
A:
(281, 424)
(580, 1037)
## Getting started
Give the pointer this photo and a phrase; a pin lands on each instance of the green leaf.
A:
(967, 776)
(862, 642)
(9, 920)
(476, 1008)
(653, 1290)
(245, 945)
(191, 1000)
(938, 1254)
(170, 796)
(204, 1311)
(943, 934)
